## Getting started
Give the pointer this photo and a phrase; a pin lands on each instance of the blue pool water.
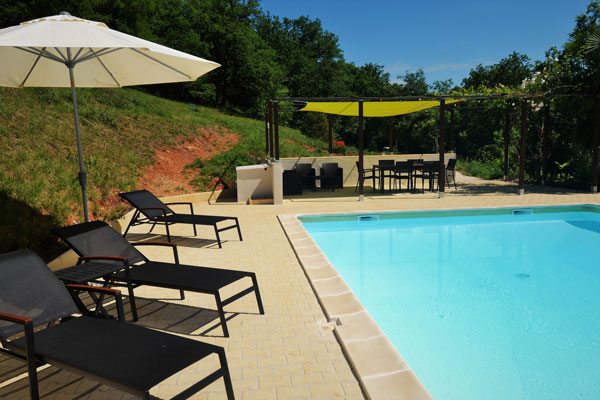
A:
(481, 304)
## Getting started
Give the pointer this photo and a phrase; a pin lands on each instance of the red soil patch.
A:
(167, 175)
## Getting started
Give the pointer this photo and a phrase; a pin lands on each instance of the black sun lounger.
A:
(151, 210)
(99, 242)
(119, 354)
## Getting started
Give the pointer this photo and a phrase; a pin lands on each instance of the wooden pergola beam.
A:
(361, 142)
(442, 167)
(522, 149)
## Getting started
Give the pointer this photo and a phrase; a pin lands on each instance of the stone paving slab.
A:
(291, 352)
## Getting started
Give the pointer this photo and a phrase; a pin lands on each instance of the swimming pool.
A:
(482, 304)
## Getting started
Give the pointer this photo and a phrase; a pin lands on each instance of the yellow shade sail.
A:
(372, 108)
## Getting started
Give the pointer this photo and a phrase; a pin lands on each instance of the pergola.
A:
(393, 106)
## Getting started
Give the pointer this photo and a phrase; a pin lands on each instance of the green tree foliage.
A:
(510, 71)
(264, 56)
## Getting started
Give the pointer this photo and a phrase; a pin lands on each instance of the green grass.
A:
(121, 129)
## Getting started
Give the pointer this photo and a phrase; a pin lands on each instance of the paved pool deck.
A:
(291, 352)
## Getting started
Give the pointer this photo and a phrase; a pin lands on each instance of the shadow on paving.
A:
(504, 188)
(174, 318)
(184, 241)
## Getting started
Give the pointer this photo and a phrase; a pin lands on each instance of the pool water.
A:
(490, 304)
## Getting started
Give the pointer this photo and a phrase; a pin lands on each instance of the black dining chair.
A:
(368, 173)
(404, 171)
(430, 174)
(417, 170)
(386, 170)
(451, 171)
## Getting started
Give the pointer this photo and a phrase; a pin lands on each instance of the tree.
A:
(511, 71)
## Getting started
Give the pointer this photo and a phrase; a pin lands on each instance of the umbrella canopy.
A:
(66, 51)
(35, 54)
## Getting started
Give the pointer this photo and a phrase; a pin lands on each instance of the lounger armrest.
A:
(29, 349)
(17, 319)
(75, 289)
(169, 244)
(182, 204)
(124, 260)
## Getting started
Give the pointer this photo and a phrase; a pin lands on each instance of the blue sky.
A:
(444, 38)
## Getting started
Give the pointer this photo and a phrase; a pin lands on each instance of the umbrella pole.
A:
(82, 177)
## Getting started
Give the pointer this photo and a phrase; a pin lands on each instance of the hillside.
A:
(131, 140)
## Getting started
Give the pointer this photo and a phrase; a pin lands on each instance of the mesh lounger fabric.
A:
(183, 277)
(122, 353)
(99, 239)
(128, 357)
(155, 212)
(22, 274)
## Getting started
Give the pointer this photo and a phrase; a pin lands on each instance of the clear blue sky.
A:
(444, 38)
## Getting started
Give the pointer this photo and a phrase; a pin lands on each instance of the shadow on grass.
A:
(23, 227)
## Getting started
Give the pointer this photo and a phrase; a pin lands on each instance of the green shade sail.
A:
(372, 108)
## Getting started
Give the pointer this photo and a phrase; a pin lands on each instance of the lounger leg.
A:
(237, 224)
(218, 238)
(152, 228)
(168, 232)
(221, 314)
(31, 365)
(257, 293)
(195, 232)
(182, 294)
(133, 219)
(226, 376)
(131, 296)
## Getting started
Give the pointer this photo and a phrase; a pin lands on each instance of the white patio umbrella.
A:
(66, 51)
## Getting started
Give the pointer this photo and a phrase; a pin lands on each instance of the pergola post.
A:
(595, 147)
(452, 148)
(276, 123)
(545, 134)
(391, 136)
(361, 175)
(270, 123)
(442, 167)
(507, 124)
(267, 132)
(522, 149)
(330, 122)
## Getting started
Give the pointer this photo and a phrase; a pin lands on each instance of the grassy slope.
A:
(120, 128)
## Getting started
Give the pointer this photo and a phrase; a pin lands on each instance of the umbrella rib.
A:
(34, 51)
(33, 66)
(161, 63)
(78, 53)
(104, 66)
(66, 59)
(103, 52)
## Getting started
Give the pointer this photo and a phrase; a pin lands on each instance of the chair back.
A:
(451, 164)
(97, 238)
(431, 166)
(29, 289)
(304, 169)
(387, 163)
(404, 166)
(144, 199)
(329, 168)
